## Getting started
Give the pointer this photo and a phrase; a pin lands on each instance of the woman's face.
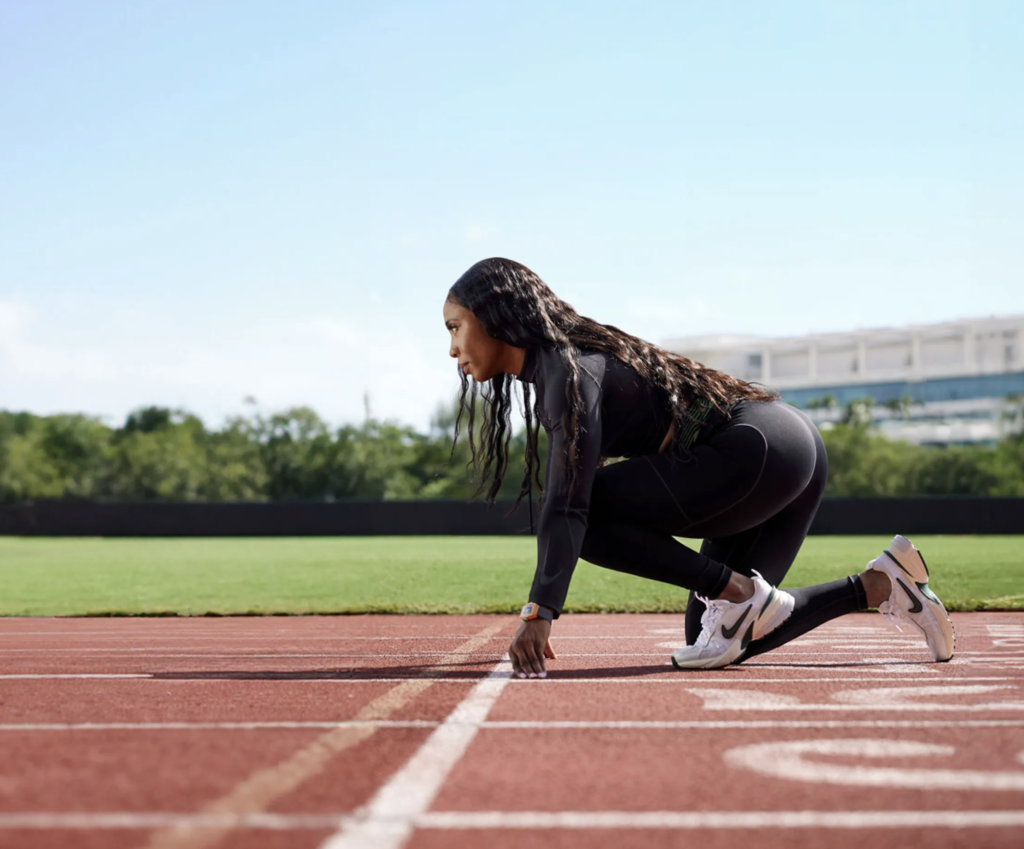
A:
(478, 354)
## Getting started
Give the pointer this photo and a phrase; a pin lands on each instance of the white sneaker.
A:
(741, 623)
(911, 601)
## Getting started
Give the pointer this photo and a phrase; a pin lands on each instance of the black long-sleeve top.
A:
(622, 417)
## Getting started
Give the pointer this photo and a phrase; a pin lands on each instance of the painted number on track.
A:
(862, 699)
(790, 760)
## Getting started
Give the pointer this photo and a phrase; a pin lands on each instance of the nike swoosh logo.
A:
(747, 637)
(547, 579)
(729, 633)
(917, 608)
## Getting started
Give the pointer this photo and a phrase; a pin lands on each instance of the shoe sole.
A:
(917, 570)
(776, 610)
(736, 651)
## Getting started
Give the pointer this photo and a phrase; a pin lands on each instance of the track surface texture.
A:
(386, 732)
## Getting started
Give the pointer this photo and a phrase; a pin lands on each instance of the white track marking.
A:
(787, 760)
(535, 820)
(916, 657)
(158, 820)
(795, 648)
(221, 641)
(489, 657)
(296, 634)
(218, 726)
(880, 698)
(674, 678)
(260, 789)
(75, 675)
(485, 657)
(897, 697)
(446, 820)
(751, 724)
(922, 668)
(387, 820)
(192, 652)
(511, 724)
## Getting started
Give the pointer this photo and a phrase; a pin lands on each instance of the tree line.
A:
(165, 454)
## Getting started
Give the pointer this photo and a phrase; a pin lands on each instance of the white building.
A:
(964, 380)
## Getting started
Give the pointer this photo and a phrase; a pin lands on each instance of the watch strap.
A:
(532, 610)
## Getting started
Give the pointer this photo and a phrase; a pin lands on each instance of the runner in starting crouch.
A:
(708, 456)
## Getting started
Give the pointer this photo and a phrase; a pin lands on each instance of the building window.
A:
(753, 366)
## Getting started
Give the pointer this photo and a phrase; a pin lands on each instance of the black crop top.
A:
(622, 417)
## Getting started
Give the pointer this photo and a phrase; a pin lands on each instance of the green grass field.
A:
(87, 576)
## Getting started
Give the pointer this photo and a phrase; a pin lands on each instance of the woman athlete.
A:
(708, 456)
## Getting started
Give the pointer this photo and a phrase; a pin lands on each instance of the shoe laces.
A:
(894, 614)
(709, 620)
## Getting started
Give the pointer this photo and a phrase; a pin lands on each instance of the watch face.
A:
(528, 610)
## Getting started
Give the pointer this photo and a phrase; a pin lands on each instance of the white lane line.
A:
(535, 820)
(744, 724)
(217, 726)
(881, 699)
(225, 642)
(299, 637)
(341, 640)
(452, 820)
(513, 724)
(73, 676)
(789, 650)
(684, 678)
(491, 656)
(262, 639)
(158, 820)
(169, 651)
(387, 820)
(259, 790)
(485, 656)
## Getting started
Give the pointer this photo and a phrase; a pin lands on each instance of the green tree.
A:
(158, 454)
(235, 470)
(26, 472)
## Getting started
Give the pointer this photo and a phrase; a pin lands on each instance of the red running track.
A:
(377, 731)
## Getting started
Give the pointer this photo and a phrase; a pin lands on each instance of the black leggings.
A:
(749, 489)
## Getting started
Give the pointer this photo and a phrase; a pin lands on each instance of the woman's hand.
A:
(529, 647)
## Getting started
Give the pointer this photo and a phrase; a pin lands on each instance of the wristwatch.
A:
(535, 611)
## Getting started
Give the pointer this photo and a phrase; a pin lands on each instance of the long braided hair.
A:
(515, 306)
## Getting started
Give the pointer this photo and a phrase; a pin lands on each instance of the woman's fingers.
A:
(534, 661)
(549, 652)
(529, 648)
(513, 655)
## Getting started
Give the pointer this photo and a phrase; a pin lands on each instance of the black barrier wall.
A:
(404, 518)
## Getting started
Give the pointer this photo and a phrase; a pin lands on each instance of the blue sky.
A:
(201, 201)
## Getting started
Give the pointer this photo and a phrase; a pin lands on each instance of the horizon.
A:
(203, 204)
